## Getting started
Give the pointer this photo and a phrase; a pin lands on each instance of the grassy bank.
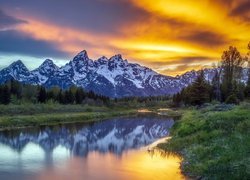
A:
(30, 109)
(214, 144)
(15, 116)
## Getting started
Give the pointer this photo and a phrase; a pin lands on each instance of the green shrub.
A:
(232, 99)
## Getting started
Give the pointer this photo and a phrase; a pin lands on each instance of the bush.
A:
(232, 99)
(223, 107)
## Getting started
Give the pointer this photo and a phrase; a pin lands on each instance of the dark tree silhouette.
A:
(216, 85)
(42, 95)
(247, 89)
(232, 63)
(5, 95)
(79, 95)
(199, 92)
(60, 97)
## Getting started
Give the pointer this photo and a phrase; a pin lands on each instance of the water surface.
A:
(111, 149)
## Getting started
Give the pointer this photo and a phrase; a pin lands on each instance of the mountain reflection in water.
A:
(114, 136)
(36, 152)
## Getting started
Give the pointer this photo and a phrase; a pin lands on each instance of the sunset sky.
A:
(169, 36)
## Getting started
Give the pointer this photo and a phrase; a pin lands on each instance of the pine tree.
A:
(42, 95)
(6, 95)
(60, 97)
(247, 89)
(216, 91)
(1, 94)
(185, 95)
(15, 88)
(92, 95)
(177, 99)
(199, 92)
(79, 95)
(69, 97)
(232, 63)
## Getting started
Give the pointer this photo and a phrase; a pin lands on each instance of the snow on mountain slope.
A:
(18, 71)
(45, 70)
(114, 77)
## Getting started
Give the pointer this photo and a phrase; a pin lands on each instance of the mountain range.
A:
(114, 77)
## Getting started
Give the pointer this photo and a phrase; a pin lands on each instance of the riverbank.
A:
(30, 115)
(214, 142)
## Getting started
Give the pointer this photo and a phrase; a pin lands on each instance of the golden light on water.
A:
(144, 166)
(137, 165)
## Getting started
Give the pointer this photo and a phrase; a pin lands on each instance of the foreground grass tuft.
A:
(214, 145)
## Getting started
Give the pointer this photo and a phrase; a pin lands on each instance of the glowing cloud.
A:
(169, 36)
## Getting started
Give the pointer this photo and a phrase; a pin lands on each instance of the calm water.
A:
(111, 149)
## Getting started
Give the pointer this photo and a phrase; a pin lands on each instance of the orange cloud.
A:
(169, 40)
(67, 39)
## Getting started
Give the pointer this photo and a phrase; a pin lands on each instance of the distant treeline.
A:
(16, 93)
(226, 85)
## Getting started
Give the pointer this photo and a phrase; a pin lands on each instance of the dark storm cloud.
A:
(7, 21)
(242, 10)
(95, 15)
(16, 43)
(205, 38)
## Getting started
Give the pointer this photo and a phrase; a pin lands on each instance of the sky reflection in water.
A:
(112, 149)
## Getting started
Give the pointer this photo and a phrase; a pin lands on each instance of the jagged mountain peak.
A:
(48, 62)
(83, 55)
(18, 65)
(116, 58)
(47, 65)
(17, 71)
(45, 70)
(102, 60)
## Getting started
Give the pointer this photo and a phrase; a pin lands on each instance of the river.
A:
(118, 148)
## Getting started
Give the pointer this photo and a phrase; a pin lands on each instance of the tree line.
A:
(226, 85)
(16, 92)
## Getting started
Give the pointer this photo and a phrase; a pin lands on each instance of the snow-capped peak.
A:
(46, 67)
(45, 70)
(102, 60)
(48, 62)
(18, 65)
(117, 57)
(83, 55)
